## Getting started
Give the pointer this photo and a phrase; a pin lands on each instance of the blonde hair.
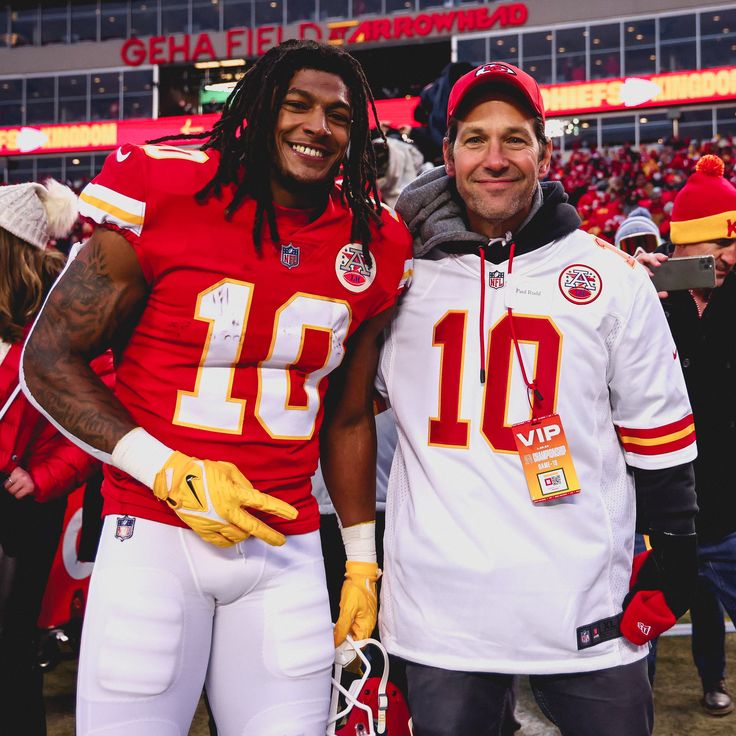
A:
(26, 275)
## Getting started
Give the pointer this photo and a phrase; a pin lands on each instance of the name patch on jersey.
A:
(495, 279)
(580, 284)
(352, 270)
(290, 256)
(125, 527)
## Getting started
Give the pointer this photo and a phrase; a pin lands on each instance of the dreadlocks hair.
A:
(244, 137)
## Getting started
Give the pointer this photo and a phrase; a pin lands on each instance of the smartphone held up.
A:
(689, 272)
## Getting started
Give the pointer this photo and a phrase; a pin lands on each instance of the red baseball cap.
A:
(497, 72)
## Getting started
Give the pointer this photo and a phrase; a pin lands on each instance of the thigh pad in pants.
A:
(135, 645)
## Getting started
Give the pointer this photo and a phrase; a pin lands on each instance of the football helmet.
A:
(368, 706)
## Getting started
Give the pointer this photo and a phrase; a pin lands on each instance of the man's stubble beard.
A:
(497, 212)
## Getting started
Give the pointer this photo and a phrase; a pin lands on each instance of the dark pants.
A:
(609, 702)
(716, 588)
(31, 539)
(709, 634)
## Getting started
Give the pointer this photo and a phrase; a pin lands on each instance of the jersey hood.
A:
(435, 215)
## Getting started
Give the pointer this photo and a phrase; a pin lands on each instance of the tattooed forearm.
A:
(96, 299)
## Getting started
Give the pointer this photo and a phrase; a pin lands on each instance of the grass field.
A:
(676, 695)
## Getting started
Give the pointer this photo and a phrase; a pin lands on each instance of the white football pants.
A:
(168, 611)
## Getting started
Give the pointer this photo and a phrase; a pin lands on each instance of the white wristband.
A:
(140, 455)
(360, 541)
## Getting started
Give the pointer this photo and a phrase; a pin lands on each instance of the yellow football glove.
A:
(211, 496)
(358, 602)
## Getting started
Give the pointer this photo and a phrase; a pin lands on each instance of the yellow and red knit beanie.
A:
(705, 208)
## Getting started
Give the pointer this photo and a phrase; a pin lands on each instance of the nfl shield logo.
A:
(585, 636)
(290, 256)
(125, 527)
(495, 279)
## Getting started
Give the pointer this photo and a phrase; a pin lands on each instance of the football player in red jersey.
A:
(230, 281)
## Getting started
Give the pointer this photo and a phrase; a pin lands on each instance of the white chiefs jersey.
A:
(477, 577)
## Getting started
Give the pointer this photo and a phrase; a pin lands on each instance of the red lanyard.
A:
(530, 385)
(481, 321)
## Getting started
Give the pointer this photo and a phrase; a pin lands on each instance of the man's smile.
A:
(307, 151)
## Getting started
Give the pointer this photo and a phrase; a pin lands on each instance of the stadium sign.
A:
(106, 135)
(655, 90)
(251, 42)
(102, 136)
(660, 90)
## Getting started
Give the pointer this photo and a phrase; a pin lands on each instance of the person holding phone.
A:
(704, 223)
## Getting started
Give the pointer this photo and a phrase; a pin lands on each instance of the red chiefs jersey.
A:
(230, 358)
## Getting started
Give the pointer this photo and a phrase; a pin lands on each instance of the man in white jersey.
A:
(541, 415)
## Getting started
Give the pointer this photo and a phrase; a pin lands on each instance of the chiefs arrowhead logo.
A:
(495, 66)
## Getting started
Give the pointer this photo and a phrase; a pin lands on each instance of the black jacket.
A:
(707, 352)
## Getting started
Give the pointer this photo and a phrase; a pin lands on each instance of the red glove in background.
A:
(662, 585)
(646, 613)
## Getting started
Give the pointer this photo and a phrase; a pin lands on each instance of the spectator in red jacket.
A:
(38, 466)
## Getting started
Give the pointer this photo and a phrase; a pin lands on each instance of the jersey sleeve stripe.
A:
(103, 204)
(655, 432)
(662, 448)
(641, 442)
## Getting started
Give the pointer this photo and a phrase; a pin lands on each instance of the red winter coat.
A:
(30, 441)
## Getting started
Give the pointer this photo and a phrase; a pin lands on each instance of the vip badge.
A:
(290, 256)
(495, 279)
(545, 457)
(125, 527)
(352, 270)
(580, 284)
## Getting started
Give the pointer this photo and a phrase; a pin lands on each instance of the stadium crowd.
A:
(605, 185)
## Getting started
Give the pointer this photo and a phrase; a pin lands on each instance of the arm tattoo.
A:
(84, 315)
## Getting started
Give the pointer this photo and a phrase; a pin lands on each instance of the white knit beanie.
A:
(38, 212)
(639, 222)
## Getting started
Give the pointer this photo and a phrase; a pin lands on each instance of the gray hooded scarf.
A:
(435, 215)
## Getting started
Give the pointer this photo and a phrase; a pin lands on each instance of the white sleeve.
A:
(649, 400)
(319, 491)
(99, 454)
(381, 382)
(387, 438)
